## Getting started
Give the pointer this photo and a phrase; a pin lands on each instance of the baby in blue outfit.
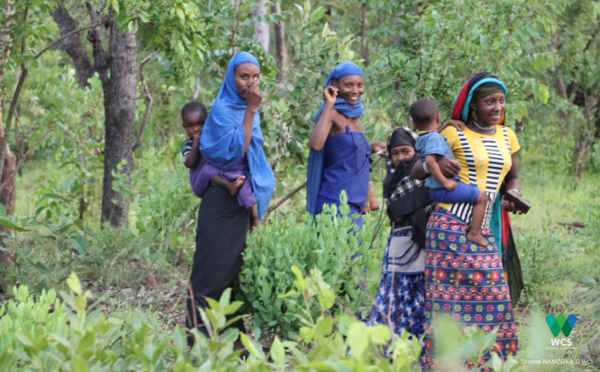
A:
(433, 146)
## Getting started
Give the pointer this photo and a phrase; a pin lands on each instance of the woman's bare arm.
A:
(253, 97)
(512, 182)
(323, 126)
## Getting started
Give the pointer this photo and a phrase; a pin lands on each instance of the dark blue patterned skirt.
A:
(400, 301)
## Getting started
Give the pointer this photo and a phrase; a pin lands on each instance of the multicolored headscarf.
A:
(479, 86)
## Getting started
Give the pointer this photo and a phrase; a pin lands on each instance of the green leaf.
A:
(232, 308)
(589, 282)
(252, 347)
(79, 364)
(115, 5)
(224, 300)
(9, 224)
(86, 342)
(278, 352)
(180, 338)
(380, 334)
(496, 362)
(300, 283)
(80, 243)
(323, 328)
(42, 268)
(317, 14)
(74, 283)
(357, 340)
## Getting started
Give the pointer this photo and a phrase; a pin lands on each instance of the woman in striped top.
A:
(464, 279)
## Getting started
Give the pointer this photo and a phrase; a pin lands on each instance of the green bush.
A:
(325, 245)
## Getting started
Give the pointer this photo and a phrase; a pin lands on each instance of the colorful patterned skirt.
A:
(466, 281)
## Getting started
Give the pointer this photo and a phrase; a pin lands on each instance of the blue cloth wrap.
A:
(223, 138)
(316, 158)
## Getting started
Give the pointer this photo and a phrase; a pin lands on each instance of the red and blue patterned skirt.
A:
(466, 281)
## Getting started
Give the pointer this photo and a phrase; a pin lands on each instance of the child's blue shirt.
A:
(434, 143)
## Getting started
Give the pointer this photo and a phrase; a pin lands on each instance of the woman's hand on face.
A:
(252, 95)
(379, 148)
(450, 167)
(330, 95)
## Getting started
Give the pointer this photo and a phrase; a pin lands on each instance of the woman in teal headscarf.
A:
(465, 280)
(339, 157)
(232, 138)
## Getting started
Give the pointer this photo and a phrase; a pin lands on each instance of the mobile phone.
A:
(521, 204)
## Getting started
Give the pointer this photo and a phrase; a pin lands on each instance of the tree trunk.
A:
(7, 178)
(119, 88)
(587, 137)
(282, 56)
(364, 51)
(7, 198)
(119, 108)
(261, 28)
(73, 45)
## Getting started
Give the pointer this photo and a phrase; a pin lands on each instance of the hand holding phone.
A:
(521, 205)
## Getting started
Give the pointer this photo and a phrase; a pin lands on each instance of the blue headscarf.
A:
(223, 138)
(316, 158)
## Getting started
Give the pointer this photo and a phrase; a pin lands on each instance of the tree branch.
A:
(72, 44)
(281, 48)
(364, 51)
(148, 98)
(66, 36)
(235, 26)
(13, 103)
(282, 200)
(102, 58)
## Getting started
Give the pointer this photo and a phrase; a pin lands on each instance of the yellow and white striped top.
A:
(484, 160)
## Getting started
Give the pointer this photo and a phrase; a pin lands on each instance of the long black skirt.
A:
(220, 241)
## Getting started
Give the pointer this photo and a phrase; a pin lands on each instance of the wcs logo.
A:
(561, 323)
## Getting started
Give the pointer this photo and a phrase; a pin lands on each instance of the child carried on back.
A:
(433, 146)
(202, 174)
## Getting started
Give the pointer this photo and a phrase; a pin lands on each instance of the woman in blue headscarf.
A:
(339, 150)
(231, 138)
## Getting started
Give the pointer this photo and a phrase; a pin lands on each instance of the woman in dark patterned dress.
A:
(400, 301)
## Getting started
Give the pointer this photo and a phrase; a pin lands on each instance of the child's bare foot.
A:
(234, 187)
(477, 238)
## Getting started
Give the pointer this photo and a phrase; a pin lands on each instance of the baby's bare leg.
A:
(474, 234)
